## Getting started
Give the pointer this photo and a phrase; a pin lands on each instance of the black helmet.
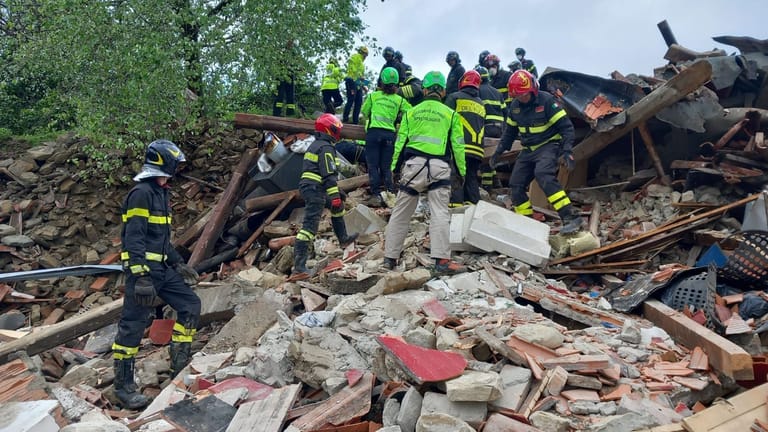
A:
(452, 55)
(519, 52)
(483, 73)
(398, 56)
(482, 56)
(388, 53)
(161, 160)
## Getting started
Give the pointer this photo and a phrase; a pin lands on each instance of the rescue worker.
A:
(286, 87)
(391, 61)
(382, 109)
(411, 90)
(318, 187)
(481, 58)
(154, 270)
(407, 70)
(547, 136)
(429, 142)
(353, 151)
(455, 74)
(354, 84)
(514, 65)
(498, 76)
(525, 63)
(467, 104)
(495, 109)
(330, 86)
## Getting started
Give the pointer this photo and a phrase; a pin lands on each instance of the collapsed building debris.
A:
(660, 307)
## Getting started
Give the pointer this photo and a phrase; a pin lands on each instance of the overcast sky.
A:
(590, 36)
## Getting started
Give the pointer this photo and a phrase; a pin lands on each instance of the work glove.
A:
(189, 274)
(337, 205)
(144, 292)
(566, 160)
(494, 162)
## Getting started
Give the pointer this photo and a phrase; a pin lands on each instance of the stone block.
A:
(442, 422)
(471, 412)
(495, 228)
(474, 386)
(410, 410)
(516, 382)
(363, 220)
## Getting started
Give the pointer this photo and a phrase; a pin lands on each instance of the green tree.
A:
(132, 70)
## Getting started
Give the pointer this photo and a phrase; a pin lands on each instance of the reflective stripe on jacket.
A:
(319, 165)
(146, 230)
(538, 122)
(470, 108)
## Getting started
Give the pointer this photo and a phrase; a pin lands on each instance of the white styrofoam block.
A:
(458, 230)
(33, 416)
(363, 220)
(495, 228)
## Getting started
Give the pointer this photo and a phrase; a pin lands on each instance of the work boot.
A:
(125, 387)
(340, 229)
(375, 201)
(571, 222)
(300, 254)
(390, 263)
(181, 354)
(446, 266)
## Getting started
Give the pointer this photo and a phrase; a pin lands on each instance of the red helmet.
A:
(471, 78)
(522, 82)
(329, 124)
(492, 60)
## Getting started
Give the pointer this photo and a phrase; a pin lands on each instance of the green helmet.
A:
(434, 78)
(389, 76)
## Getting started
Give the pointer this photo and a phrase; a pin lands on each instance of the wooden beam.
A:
(670, 92)
(270, 201)
(724, 355)
(291, 125)
(194, 231)
(222, 210)
(65, 331)
(660, 230)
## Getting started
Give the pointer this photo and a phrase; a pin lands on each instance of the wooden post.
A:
(672, 91)
(648, 141)
(222, 211)
(270, 201)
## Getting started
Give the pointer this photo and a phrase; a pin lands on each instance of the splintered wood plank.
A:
(738, 414)
(423, 364)
(724, 355)
(266, 415)
(350, 403)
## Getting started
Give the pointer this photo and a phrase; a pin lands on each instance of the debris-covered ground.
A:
(642, 321)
